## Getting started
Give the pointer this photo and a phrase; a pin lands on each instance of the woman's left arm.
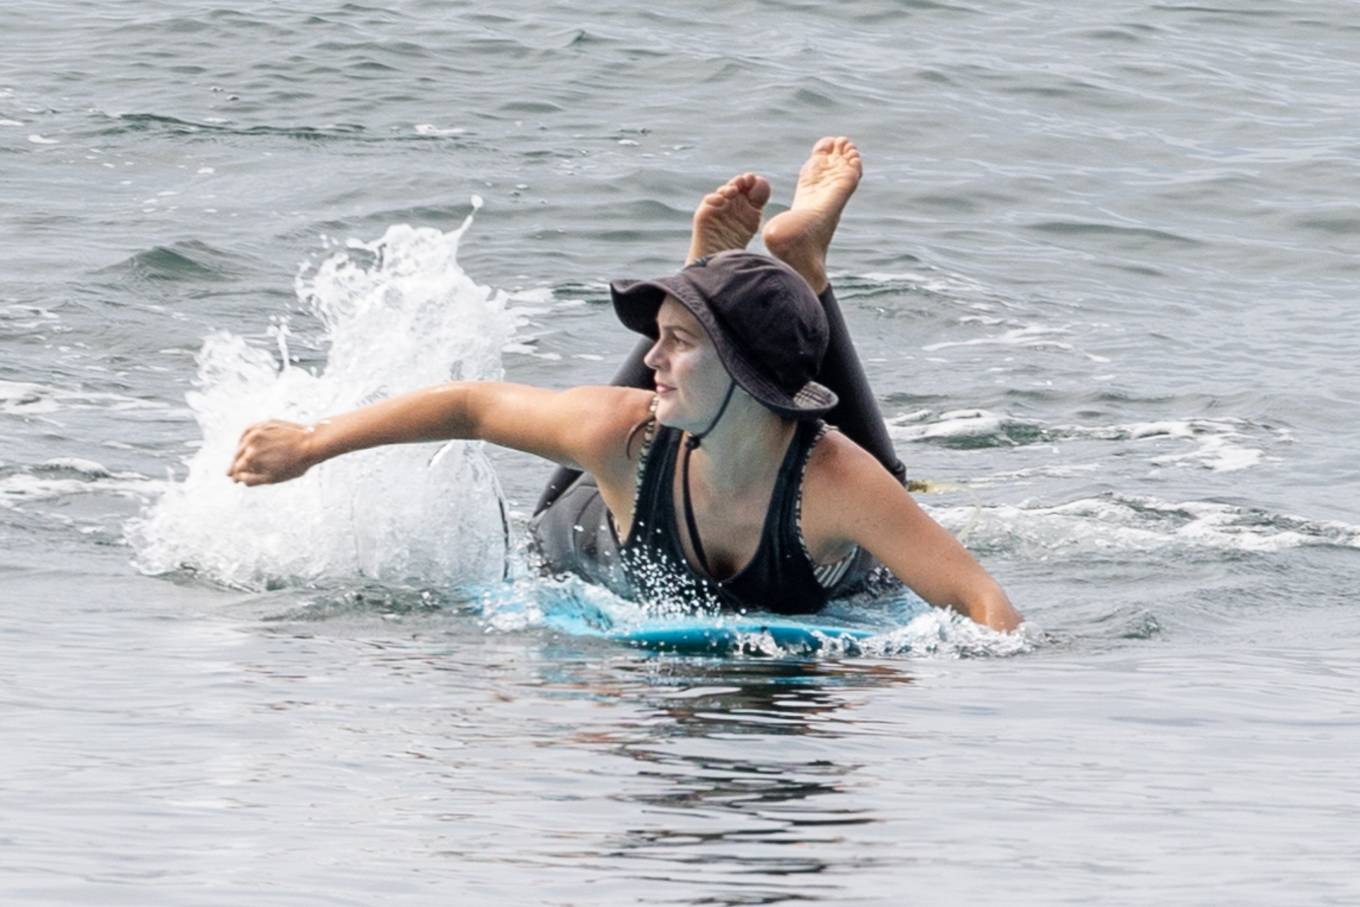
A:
(875, 512)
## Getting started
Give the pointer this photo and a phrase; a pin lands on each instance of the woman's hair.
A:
(639, 426)
(632, 433)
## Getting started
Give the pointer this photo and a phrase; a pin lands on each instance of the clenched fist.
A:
(271, 452)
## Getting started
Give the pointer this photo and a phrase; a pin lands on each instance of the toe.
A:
(760, 192)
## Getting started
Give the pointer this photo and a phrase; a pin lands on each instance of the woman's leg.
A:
(857, 414)
(800, 237)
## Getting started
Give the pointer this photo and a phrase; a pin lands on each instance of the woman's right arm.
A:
(579, 427)
(852, 498)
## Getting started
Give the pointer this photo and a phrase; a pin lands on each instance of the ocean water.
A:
(1101, 270)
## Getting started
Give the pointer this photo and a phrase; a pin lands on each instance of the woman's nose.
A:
(653, 358)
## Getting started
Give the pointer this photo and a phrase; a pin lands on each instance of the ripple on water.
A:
(1120, 526)
(213, 130)
(1225, 444)
(189, 260)
(1125, 237)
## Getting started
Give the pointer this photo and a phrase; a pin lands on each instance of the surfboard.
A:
(735, 635)
(571, 613)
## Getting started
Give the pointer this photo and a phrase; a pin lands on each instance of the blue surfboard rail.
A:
(712, 633)
(740, 636)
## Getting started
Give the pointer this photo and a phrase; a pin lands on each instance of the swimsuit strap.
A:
(781, 480)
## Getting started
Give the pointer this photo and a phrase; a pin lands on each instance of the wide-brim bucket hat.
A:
(768, 327)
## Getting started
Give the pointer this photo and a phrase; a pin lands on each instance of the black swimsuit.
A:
(574, 532)
(577, 535)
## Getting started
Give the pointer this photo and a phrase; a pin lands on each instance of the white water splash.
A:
(397, 314)
(898, 624)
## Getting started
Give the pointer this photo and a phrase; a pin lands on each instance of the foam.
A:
(22, 398)
(433, 130)
(28, 398)
(1127, 524)
(960, 423)
(1219, 445)
(903, 625)
(64, 477)
(396, 313)
(1031, 337)
(944, 283)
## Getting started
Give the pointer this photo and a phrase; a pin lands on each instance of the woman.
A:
(718, 411)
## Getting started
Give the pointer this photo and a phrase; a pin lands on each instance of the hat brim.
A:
(636, 303)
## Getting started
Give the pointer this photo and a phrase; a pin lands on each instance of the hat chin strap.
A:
(693, 440)
(691, 443)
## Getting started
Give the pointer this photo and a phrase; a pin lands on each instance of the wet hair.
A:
(632, 433)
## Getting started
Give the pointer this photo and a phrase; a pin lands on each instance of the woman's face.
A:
(690, 379)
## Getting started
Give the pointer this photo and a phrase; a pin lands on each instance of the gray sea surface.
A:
(1102, 271)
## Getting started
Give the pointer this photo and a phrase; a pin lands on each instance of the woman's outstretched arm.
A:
(581, 427)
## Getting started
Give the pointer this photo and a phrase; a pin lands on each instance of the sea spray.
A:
(394, 314)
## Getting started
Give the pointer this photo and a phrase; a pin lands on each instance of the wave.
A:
(188, 260)
(63, 477)
(1117, 525)
(1113, 231)
(25, 398)
(215, 128)
(1220, 445)
(132, 123)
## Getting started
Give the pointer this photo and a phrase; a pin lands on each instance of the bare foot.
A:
(801, 235)
(729, 216)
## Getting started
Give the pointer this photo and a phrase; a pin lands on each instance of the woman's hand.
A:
(993, 609)
(271, 452)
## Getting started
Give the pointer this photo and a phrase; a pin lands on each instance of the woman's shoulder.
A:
(835, 458)
(618, 418)
(612, 403)
(838, 476)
